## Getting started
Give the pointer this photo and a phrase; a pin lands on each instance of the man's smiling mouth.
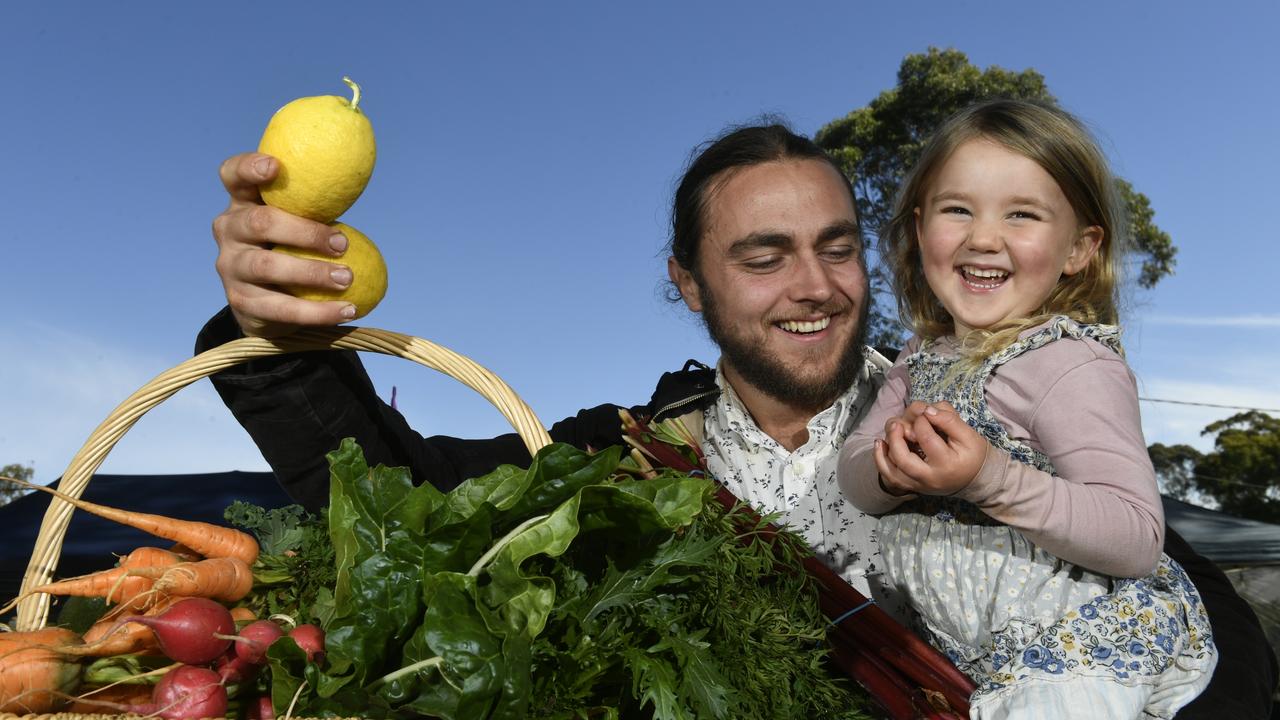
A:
(983, 278)
(805, 327)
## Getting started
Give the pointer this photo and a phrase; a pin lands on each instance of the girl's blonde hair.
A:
(1060, 144)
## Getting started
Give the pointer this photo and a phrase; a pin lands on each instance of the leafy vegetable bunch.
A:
(572, 589)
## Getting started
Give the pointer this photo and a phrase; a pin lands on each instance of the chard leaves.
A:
(438, 598)
(376, 522)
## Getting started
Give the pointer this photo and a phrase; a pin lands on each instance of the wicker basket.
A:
(33, 611)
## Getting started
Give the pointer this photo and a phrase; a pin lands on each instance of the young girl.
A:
(1005, 452)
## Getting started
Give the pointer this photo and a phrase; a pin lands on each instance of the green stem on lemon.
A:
(355, 91)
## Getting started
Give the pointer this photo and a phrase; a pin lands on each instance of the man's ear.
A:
(684, 282)
(1083, 249)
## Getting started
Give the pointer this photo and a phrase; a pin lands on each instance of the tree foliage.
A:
(877, 146)
(1242, 472)
(1176, 468)
(10, 491)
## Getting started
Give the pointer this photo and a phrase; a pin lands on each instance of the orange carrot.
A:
(153, 557)
(118, 584)
(35, 676)
(223, 579)
(185, 552)
(112, 585)
(243, 615)
(109, 637)
(211, 541)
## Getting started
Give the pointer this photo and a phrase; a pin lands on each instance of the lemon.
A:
(326, 152)
(368, 271)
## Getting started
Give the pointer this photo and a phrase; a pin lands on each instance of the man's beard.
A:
(774, 378)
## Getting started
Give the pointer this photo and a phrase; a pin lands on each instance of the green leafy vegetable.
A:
(567, 590)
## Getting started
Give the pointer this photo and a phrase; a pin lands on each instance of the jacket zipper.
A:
(685, 401)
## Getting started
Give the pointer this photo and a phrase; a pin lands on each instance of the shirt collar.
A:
(734, 412)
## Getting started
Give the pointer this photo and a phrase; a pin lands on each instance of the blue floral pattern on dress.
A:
(1006, 611)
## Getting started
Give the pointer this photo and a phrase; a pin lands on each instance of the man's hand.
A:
(929, 450)
(252, 275)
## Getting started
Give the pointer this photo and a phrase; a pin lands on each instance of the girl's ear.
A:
(684, 282)
(919, 234)
(1083, 249)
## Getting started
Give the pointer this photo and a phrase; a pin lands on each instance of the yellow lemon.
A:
(368, 270)
(326, 152)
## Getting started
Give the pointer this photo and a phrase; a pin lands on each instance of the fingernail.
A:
(342, 276)
(338, 242)
(262, 166)
(348, 311)
(931, 410)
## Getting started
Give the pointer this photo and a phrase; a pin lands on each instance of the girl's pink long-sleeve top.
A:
(1077, 402)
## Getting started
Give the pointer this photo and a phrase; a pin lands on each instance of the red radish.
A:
(188, 632)
(255, 638)
(311, 639)
(234, 669)
(187, 692)
(261, 710)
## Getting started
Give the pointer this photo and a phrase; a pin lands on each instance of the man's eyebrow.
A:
(757, 240)
(767, 239)
(838, 230)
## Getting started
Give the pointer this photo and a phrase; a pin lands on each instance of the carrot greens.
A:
(295, 570)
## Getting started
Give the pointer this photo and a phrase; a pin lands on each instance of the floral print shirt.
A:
(801, 486)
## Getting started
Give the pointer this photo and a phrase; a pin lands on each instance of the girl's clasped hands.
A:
(929, 450)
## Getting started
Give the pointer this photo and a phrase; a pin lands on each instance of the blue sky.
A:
(527, 153)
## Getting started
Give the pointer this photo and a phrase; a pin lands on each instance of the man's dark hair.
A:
(738, 147)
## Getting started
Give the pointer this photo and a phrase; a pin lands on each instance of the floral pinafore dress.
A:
(1007, 612)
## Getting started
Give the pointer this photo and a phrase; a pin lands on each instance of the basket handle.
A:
(33, 611)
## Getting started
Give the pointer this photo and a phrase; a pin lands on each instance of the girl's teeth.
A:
(984, 273)
(804, 327)
(986, 279)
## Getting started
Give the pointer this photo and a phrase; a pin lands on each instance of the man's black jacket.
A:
(297, 408)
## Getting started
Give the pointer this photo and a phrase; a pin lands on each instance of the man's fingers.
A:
(264, 267)
(271, 312)
(242, 174)
(261, 224)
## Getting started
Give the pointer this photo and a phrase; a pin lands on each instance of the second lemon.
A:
(368, 270)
